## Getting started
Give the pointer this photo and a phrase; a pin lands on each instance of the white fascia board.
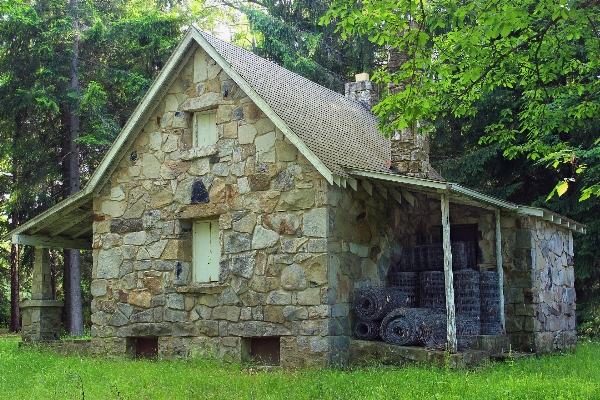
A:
(533, 211)
(555, 218)
(430, 184)
(262, 104)
(400, 179)
(482, 197)
(118, 146)
(47, 242)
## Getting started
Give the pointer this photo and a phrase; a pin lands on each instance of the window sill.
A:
(203, 288)
(197, 152)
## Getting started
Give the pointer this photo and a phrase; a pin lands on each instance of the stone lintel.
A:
(201, 211)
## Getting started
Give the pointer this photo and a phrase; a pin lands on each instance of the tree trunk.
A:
(53, 257)
(15, 323)
(53, 253)
(15, 289)
(72, 275)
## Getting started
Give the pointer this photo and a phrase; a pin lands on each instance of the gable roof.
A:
(337, 135)
(341, 132)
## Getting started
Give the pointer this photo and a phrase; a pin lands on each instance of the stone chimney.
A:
(410, 149)
(362, 90)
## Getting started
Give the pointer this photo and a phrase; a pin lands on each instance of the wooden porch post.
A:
(500, 271)
(450, 312)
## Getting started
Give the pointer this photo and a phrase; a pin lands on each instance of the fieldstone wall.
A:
(539, 285)
(271, 206)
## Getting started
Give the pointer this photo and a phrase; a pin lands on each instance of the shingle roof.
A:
(339, 131)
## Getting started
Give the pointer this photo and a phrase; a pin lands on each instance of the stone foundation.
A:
(40, 320)
(63, 347)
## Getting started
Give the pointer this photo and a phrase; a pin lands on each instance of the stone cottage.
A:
(242, 204)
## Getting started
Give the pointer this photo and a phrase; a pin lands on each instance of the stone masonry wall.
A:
(539, 281)
(272, 213)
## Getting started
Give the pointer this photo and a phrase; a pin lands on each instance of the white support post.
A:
(500, 271)
(449, 284)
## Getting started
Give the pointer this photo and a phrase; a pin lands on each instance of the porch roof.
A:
(459, 194)
(67, 225)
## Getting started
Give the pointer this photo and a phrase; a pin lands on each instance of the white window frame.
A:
(206, 251)
(205, 128)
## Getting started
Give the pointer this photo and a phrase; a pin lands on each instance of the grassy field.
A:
(34, 374)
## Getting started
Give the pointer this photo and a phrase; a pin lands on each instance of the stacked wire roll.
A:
(407, 260)
(374, 303)
(466, 294)
(490, 303)
(408, 283)
(399, 327)
(432, 293)
(431, 328)
(366, 330)
(435, 257)
(416, 278)
(468, 306)
(467, 331)
(464, 255)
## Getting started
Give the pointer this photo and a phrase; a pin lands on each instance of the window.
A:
(205, 128)
(207, 251)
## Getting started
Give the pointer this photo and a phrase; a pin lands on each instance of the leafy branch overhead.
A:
(546, 52)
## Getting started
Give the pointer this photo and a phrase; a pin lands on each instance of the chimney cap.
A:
(362, 77)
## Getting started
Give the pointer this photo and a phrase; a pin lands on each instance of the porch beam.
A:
(500, 270)
(47, 242)
(449, 279)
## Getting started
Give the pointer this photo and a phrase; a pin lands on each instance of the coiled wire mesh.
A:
(431, 328)
(435, 256)
(407, 261)
(399, 327)
(467, 331)
(367, 330)
(490, 303)
(466, 294)
(408, 283)
(464, 255)
(374, 303)
(432, 291)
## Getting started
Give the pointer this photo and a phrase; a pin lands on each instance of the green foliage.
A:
(591, 326)
(289, 34)
(27, 371)
(122, 47)
(547, 53)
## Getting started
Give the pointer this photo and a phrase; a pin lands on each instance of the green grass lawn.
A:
(34, 374)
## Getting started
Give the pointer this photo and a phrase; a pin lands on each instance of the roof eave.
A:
(470, 193)
(55, 212)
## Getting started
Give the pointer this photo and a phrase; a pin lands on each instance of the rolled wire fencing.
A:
(412, 309)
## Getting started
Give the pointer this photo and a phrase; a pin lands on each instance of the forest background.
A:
(516, 116)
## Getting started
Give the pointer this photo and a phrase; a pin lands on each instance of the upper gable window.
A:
(205, 128)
